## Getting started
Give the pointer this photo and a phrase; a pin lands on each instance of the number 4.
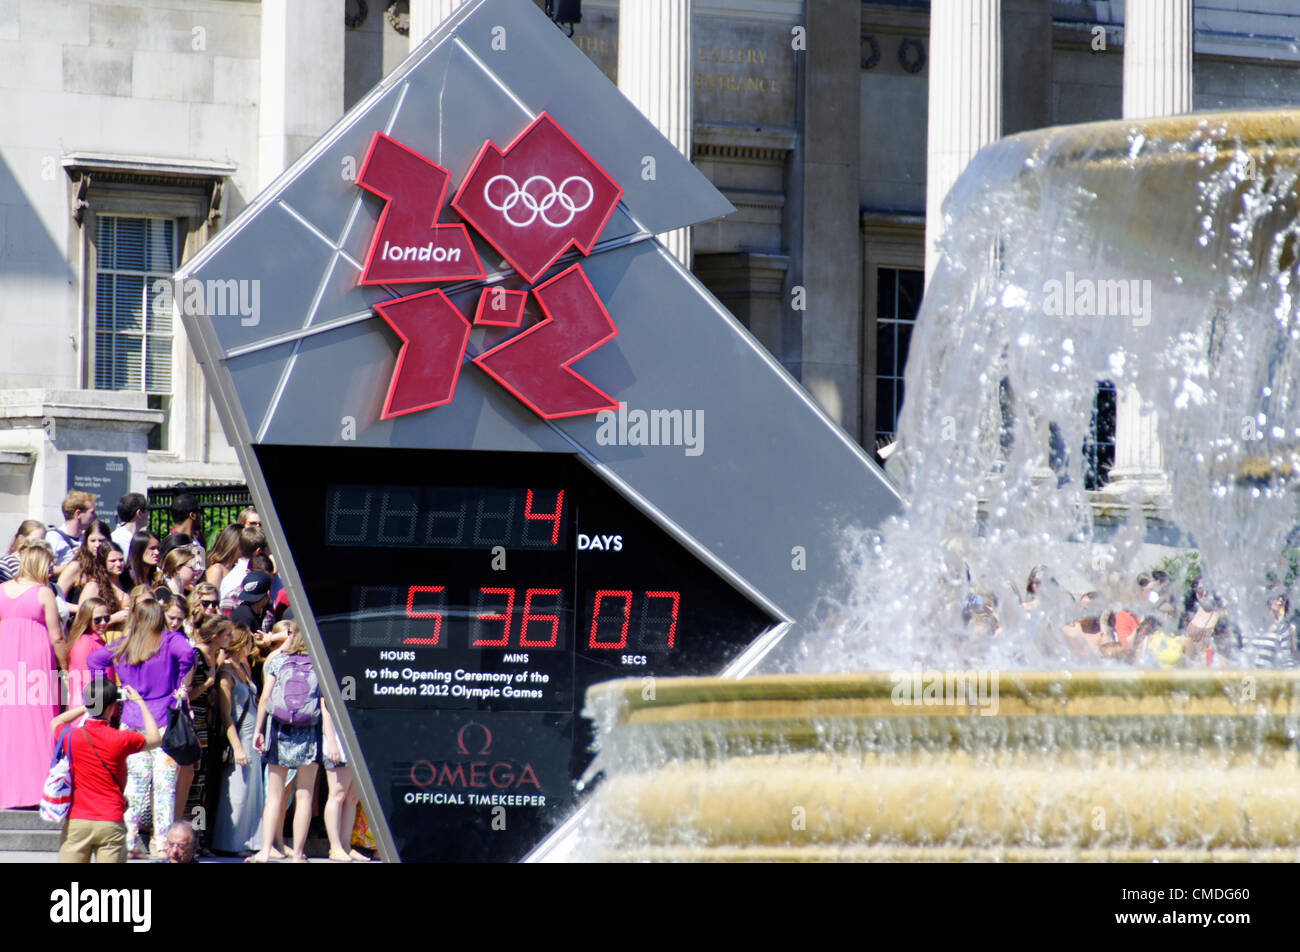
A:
(552, 517)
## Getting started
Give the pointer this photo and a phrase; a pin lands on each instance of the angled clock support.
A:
(612, 479)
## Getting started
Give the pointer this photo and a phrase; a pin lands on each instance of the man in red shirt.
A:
(99, 752)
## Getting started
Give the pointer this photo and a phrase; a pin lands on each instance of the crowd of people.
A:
(1153, 624)
(106, 635)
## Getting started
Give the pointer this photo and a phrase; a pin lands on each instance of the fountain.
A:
(1155, 261)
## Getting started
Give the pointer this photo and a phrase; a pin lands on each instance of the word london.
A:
(429, 252)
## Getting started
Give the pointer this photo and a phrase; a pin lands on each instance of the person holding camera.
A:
(98, 752)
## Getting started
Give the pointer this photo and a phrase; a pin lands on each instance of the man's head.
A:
(251, 542)
(133, 508)
(101, 698)
(81, 507)
(185, 507)
(255, 590)
(182, 845)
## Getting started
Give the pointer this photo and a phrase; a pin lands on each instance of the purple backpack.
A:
(295, 699)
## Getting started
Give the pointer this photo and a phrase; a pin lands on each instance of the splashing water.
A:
(1162, 260)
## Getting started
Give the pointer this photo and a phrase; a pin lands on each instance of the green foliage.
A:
(1183, 571)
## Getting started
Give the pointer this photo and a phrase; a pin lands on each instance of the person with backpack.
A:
(290, 738)
(98, 754)
(78, 516)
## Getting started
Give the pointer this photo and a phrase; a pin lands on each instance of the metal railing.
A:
(220, 506)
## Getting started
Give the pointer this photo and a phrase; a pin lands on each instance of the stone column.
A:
(965, 106)
(654, 72)
(1157, 58)
(1138, 458)
(426, 15)
(301, 80)
(823, 304)
(1026, 65)
(1157, 82)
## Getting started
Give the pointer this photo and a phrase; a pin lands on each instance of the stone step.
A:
(24, 830)
(42, 841)
(23, 820)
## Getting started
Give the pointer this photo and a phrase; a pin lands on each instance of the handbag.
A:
(180, 740)
(56, 795)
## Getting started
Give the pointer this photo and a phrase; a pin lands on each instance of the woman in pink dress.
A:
(32, 651)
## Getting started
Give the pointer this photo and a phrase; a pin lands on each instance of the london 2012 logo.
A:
(531, 201)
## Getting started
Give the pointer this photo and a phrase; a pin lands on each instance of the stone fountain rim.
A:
(1095, 143)
(1224, 689)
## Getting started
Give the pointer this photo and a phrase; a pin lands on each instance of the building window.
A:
(898, 298)
(1099, 447)
(133, 323)
(141, 216)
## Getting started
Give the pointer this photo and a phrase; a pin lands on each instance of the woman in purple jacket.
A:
(154, 662)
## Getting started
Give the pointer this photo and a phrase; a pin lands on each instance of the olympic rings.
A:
(539, 205)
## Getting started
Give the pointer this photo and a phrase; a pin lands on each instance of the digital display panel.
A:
(466, 610)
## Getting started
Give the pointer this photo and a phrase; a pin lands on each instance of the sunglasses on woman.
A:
(100, 619)
(204, 603)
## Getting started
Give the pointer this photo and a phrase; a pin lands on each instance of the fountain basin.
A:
(1084, 765)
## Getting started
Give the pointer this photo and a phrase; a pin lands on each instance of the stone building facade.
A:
(135, 129)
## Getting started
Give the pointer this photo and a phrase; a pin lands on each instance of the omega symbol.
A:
(487, 737)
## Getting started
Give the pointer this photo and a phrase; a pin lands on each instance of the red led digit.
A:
(676, 597)
(524, 640)
(553, 517)
(509, 593)
(411, 613)
(595, 618)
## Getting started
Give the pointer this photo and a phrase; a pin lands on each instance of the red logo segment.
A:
(498, 307)
(534, 365)
(538, 197)
(409, 245)
(434, 337)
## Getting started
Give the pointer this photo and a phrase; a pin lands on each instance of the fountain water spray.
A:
(1159, 261)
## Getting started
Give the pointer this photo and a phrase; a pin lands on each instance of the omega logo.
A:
(487, 737)
(476, 774)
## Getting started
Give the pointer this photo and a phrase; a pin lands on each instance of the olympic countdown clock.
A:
(505, 446)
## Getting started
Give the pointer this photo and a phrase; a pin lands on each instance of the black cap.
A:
(99, 695)
(256, 584)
